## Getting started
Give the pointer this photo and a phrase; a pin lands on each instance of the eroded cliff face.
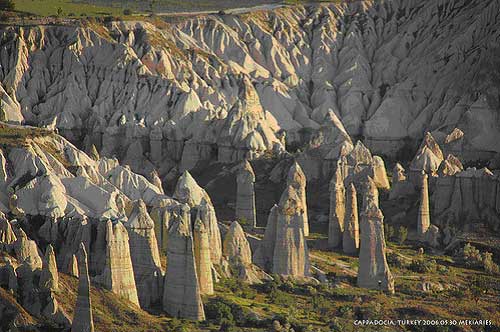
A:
(229, 87)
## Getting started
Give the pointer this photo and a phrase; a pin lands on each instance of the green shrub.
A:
(470, 256)
(219, 311)
(395, 260)
(127, 12)
(489, 265)
(423, 266)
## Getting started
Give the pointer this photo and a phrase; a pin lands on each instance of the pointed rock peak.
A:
(455, 135)
(360, 154)
(49, 278)
(82, 254)
(139, 217)
(432, 145)
(236, 231)
(296, 174)
(249, 96)
(188, 191)
(94, 154)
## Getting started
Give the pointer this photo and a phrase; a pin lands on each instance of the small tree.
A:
(127, 12)
(59, 11)
(489, 265)
(6, 5)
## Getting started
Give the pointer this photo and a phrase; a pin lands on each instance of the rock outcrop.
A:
(144, 253)
(202, 258)
(7, 235)
(27, 250)
(118, 273)
(337, 209)
(245, 194)
(350, 236)
(187, 191)
(373, 271)
(83, 320)
(181, 297)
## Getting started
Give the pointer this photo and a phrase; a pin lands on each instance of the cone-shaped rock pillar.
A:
(373, 269)
(49, 278)
(181, 297)
(187, 191)
(297, 179)
(202, 257)
(350, 238)
(291, 256)
(424, 218)
(337, 210)
(83, 320)
(245, 194)
(118, 274)
(144, 252)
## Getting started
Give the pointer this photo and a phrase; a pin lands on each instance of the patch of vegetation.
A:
(63, 8)
(473, 258)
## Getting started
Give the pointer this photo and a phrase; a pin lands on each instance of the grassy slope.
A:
(49, 8)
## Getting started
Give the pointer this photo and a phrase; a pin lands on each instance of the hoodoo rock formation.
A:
(337, 209)
(49, 277)
(83, 320)
(181, 297)
(238, 253)
(245, 194)
(118, 273)
(202, 257)
(424, 216)
(373, 269)
(144, 253)
(297, 180)
(189, 192)
(350, 236)
(332, 86)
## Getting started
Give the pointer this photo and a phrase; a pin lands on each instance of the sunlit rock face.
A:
(232, 87)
